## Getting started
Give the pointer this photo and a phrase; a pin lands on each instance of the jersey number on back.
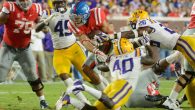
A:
(23, 24)
(60, 27)
(123, 66)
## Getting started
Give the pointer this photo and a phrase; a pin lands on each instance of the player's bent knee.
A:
(36, 85)
(64, 76)
(106, 101)
(184, 80)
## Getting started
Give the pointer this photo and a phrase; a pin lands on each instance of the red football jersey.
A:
(94, 23)
(19, 24)
(192, 21)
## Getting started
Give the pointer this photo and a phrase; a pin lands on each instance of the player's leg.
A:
(28, 64)
(102, 97)
(6, 61)
(119, 91)
(189, 93)
(186, 46)
(62, 64)
(146, 85)
(88, 67)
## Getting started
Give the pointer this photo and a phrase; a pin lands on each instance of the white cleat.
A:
(171, 104)
(62, 101)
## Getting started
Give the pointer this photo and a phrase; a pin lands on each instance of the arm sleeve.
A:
(193, 10)
(72, 28)
(100, 16)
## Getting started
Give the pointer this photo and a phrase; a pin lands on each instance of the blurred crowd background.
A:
(156, 8)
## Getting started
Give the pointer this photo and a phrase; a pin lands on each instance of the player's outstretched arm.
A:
(40, 26)
(136, 33)
(149, 58)
(3, 18)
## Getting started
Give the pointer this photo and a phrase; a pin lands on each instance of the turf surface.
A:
(18, 96)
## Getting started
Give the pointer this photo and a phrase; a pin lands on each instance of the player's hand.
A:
(145, 39)
(51, 17)
(101, 37)
(102, 57)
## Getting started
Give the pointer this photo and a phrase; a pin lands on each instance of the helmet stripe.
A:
(119, 46)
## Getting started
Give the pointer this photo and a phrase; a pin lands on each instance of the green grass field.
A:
(9, 96)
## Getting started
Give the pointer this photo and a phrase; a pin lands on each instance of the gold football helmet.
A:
(137, 15)
(123, 46)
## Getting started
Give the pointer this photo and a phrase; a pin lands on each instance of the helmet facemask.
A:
(79, 20)
(59, 5)
(24, 4)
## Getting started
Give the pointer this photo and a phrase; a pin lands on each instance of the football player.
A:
(163, 37)
(188, 69)
(125, 66)
(18, 18)
(85, 24)
(67, 51)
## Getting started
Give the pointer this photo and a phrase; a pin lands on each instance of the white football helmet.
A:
(24, 4)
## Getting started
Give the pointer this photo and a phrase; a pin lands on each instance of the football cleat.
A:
(43, 104)
(62, 101)
(171, 104)
(155, 98)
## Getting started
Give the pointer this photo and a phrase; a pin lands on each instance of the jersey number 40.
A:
(123, 66)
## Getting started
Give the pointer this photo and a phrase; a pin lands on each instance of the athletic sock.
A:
(173, 95)
(77, 103)
(42, 97)
(96, 93)
(69, 83)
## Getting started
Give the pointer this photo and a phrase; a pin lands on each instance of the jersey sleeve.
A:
(45, 14)
(193, 10)
(72, 28)
(144, 23)
(38, 9)
(100, 16)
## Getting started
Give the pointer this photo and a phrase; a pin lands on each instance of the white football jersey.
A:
(162, 36)
(61, 36)
(193, 10)
(127, 66)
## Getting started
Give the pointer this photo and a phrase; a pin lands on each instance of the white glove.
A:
(51, 17)
(100, 55)
(146, 38)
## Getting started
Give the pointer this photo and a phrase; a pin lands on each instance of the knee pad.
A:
(36, 85)
(106, 101)
(186, 79)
